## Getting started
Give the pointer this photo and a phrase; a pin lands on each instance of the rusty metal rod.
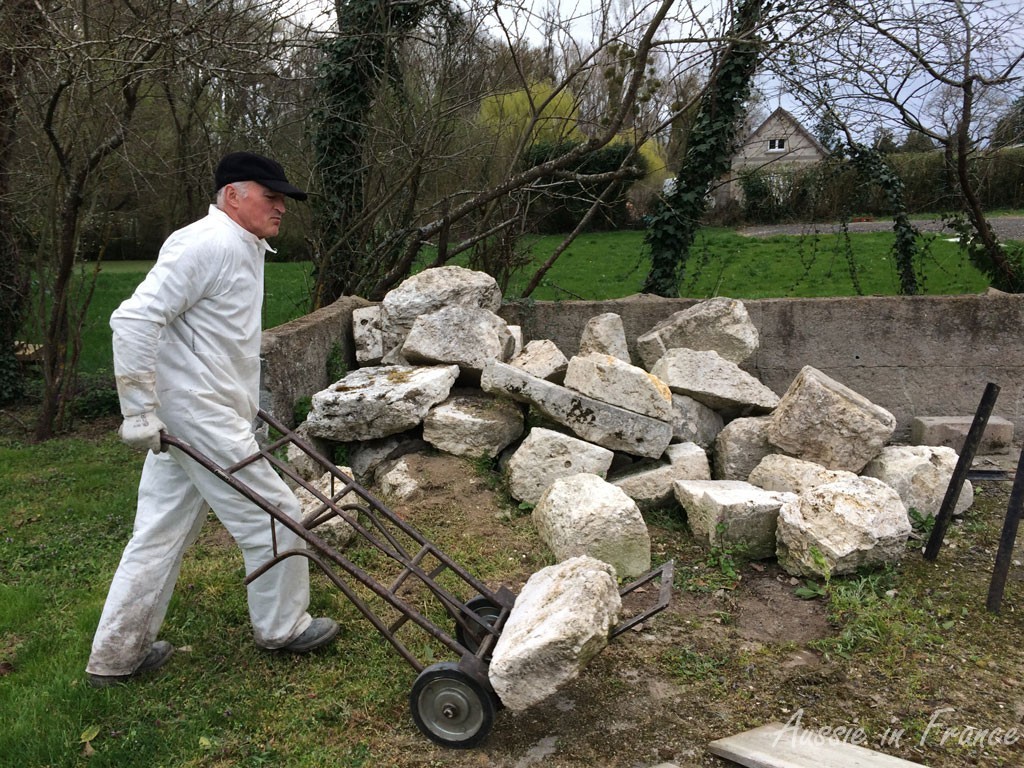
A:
(963, 465)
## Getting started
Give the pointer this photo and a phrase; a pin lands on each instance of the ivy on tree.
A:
(709, 151)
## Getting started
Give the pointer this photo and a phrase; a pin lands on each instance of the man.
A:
(186, 359)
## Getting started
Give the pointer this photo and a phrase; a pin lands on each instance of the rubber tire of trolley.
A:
(450, 707)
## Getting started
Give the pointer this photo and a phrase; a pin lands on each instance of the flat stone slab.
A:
(606, 425)
(718, 383)
(781, 745)
(951, 432)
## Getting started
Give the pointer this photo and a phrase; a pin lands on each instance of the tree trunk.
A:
(56, 371)
(711, 145)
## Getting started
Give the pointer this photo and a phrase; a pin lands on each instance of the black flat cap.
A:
(247, 166)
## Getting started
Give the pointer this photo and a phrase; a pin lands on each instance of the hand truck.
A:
(452, 702)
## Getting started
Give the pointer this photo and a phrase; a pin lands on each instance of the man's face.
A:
(259, 211)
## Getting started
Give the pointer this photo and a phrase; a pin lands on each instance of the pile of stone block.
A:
(806, 475)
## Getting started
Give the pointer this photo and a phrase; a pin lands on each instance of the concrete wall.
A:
(295, 356)
(915, 356)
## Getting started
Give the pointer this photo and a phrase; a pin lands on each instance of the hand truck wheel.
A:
(474, 635)
(450, 707)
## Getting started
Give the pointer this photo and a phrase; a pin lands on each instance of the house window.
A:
(776, 145)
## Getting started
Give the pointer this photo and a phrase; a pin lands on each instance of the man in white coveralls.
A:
(186, 359)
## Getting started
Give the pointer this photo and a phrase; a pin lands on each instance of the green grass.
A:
(68, 511)
(611, 265)
(286, 297)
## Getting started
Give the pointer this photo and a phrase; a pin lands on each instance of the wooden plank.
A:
(788, 746)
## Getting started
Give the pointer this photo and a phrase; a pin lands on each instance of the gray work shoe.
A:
(158, 655)
(317, 634)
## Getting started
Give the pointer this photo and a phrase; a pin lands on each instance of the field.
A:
(725, 263)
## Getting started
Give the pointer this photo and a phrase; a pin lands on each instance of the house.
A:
(780, 141)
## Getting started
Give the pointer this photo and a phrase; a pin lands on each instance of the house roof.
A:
(784, 115)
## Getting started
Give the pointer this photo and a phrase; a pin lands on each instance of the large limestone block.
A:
(600, 423)
(561, 620)
(468, 337)
(652, 487)
(824, 421)
(334, 529)
(777, 472)
(585, 515)
(366, 335)
(546, 455)
(920, 474)
(543, 359)
(733, 514)
(431, 290)
(473, 425)
(718, 324)
(604, 335)
(709, 378)
(739, 447)
(378, 401)
(839, 527)
(694, 422)
(612, 380)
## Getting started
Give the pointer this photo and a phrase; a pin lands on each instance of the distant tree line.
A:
(833, 191)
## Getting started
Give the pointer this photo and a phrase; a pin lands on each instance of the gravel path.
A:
(1006, 227)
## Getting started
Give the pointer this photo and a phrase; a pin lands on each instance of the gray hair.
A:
(241, 186)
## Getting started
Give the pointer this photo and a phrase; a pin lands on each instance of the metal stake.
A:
(1006, 540)
(963, 465)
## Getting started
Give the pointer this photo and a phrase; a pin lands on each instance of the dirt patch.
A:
(638, 703)
(735, 650)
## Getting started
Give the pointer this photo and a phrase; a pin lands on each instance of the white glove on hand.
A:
(142, 432)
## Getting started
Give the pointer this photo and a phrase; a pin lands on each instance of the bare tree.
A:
(98, 87)
(936, 67)
(410, 160)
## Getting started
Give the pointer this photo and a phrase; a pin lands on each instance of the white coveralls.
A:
(187, 345)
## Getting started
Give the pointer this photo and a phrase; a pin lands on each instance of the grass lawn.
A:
(611, 265)
(286, 296)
